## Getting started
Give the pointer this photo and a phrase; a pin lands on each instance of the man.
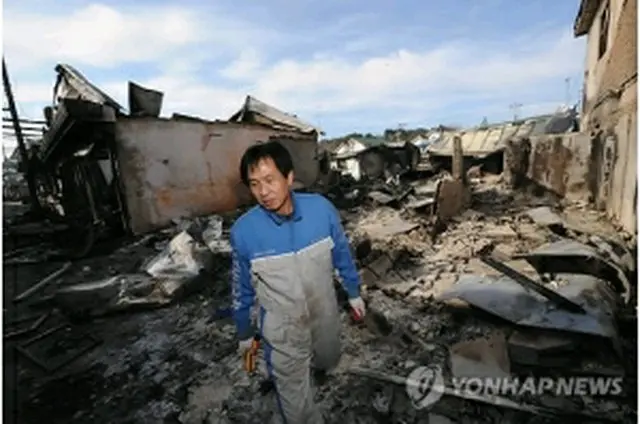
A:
(285, 251)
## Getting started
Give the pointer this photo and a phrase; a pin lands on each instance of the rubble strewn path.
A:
(172, 359)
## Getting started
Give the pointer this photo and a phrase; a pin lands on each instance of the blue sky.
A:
(342, 65)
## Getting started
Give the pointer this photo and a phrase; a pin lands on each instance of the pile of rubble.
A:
(509, 284)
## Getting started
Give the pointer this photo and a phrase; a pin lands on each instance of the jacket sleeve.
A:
(242, 291)
(342, 259)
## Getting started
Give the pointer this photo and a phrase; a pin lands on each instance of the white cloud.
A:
(244, 67)
(401, 83)
(97, 35)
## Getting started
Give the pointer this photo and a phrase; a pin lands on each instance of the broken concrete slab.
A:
(544, 217)
(499, 232)
(481, 358)
(388, 228)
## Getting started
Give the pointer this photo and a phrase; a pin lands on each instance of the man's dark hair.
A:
(271, 149)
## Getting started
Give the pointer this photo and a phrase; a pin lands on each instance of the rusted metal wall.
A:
(561, 163)
(174, 169)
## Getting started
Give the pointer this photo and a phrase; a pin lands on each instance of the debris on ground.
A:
(502, 283)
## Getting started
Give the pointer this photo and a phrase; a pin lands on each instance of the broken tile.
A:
(544, 217)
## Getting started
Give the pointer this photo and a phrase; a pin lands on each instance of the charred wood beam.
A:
(19, 136)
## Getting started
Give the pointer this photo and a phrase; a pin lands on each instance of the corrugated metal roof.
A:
(274, 117)
(71, 83)
(481, 142)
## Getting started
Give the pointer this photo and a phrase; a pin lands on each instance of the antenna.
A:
(567, 93)
(515, 109)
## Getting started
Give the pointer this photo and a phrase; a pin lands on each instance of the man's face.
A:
(268, 185)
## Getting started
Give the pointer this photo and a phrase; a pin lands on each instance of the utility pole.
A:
(515, 109)
(19, 137)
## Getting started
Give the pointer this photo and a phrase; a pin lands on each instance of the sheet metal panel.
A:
(481, 143)
(173, 169)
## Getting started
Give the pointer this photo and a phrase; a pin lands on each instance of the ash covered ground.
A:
(178, 363)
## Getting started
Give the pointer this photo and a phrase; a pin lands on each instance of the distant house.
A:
(345, 155)
(423, 141)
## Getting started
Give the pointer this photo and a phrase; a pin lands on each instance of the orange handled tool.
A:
(251, 354)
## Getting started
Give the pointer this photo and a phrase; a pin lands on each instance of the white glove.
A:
(244, 345)
(357, 304)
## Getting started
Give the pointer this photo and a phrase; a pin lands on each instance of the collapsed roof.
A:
(257, 111)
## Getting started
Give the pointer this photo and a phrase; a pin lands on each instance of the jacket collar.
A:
(281, 219)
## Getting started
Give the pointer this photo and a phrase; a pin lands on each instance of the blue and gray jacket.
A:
(288, 263)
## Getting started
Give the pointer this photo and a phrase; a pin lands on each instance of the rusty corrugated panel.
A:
(255, 110)
(73, 84)
(173, 169)
(482, 142)
(561, 163)
(476, 143)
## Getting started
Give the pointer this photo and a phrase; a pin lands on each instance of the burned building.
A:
(101, 167)
(609, 107)
(598, 163)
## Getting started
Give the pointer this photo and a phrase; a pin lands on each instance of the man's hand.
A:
(244, 345)
(358, 307)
